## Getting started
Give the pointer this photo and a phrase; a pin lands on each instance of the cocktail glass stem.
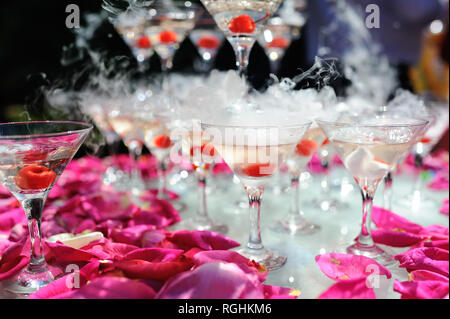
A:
(325, 182)
(36, 275)
(254, 240)
(202, 210)
(387, 191)
(135, 150)
(162, 190)
(295, 202)
(166, 66)
(365, 237)
(365, 245)
(242, 57)
(418, 164)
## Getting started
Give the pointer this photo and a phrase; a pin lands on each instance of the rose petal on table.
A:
(445, 207)
(161, 214)
(356, 288)
(422, 275)
(339, 266)
(154, 254)
(228, 256)
(205, 240)
(60, 253)
(141, 269)
(395, 238)
(385, 219)
(435, 232)
(425, 258)
(14, 258)
(108, 287)
(443, 244)
(212, 281)
(275, 292)
(107, 250)
(56, 289)
(140, 235)
(428, 289)
(11, 217)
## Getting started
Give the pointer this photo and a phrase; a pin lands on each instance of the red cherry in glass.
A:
(306, 147)
(242, 24)
(168, 37)
(208, 42)
(35, 177)
(144, 43)
(258, 170)
(162, 141)
(279, 42)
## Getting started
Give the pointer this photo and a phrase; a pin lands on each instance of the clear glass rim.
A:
(306, 123)
(86, 127)
(418, 122)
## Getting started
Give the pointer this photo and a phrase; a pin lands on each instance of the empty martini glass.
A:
(369, 147)
(294, 223)
(254, 153)
(32, 157)
(241, 21)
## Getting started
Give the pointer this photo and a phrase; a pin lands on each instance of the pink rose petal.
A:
(227, 256)
(212, 281)
(395, 238)
(339, 266)
(387, 220)
(205, 240)
(355, 288)
(422, 275)
(425, 258)
(429, 289)
(108, 287)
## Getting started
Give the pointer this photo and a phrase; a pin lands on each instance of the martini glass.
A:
(438, 123)
(32, 157)
(276, 38)
(369, 147)
(131, 26)
(327, 201)
(96, 107)
(207, 40)
(201, 153)
(294, 223)
(158, 140)
(129, 122)
(255, 154)
(168, 24)
(241, 21)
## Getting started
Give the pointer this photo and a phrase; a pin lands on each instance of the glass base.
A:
(26, 283)
(265, 257)
(330, 205)
(294, 225)
(374, 252)
(202, 224)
